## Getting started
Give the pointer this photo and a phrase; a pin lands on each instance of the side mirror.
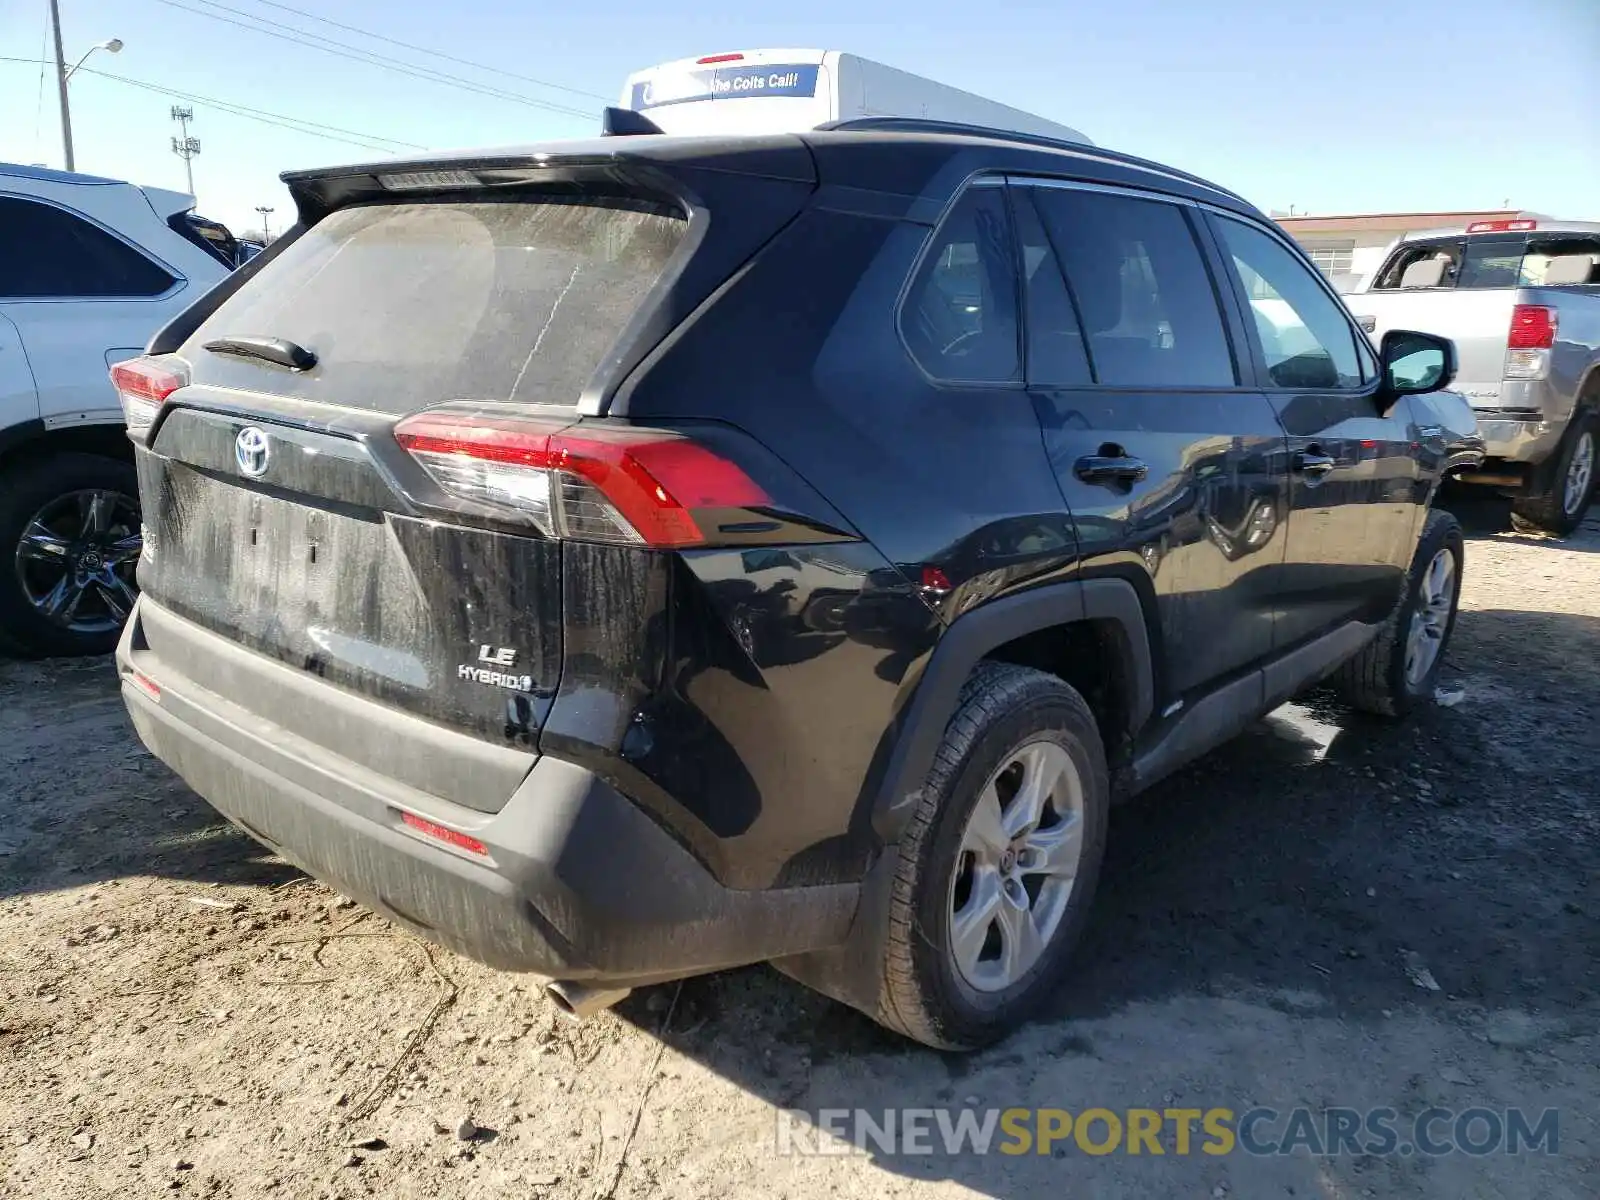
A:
(1415, 362)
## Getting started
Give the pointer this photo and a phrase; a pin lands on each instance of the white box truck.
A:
(784, 91)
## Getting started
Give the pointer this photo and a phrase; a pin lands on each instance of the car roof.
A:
(868, 153)
(50, 175)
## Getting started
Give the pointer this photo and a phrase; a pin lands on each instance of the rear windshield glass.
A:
(408, 305)
(1491, 263)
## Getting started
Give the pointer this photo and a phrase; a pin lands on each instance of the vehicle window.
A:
(211, 236)
(48, 251)
(1056, 353)
(960, 319)
(1392, 277)
(1306, 339)
(1577, 260)
(1140, 284)
(1491, 262)
(409, 304)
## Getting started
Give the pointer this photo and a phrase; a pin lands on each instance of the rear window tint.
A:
(1449, 253)
(1578, 258)
(408, 305)
(1502, 262)
(960, 319)
(1491, 263)
(1141, 288)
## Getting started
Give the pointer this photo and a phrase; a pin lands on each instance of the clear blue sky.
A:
(1332, 106)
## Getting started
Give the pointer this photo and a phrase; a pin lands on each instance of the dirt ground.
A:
(181, 1013)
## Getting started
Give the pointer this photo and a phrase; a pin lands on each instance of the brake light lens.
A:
(719, 58)
(623, 485)
(1518, 226)
(1533, 327)
(1533, 332)
(414, 181)
(143, 385)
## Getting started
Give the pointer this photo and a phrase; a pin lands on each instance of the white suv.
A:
(90, 268)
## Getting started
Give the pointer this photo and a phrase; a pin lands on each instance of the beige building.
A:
(1349, 248)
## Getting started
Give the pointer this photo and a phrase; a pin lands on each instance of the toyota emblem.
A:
(252, 451)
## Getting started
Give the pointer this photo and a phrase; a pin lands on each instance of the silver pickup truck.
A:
(1521, 300)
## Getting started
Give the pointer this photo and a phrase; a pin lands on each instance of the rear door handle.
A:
(1110, 468)
(1309, 462)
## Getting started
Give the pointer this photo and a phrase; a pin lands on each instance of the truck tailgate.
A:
(1477, 321)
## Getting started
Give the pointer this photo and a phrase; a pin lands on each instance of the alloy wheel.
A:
(1580, 474)
(76, 560)
(1016, 867)
(1430, 619)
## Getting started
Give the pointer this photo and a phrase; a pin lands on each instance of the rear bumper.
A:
(1520, 441)
(1521, 420)
(575, 881)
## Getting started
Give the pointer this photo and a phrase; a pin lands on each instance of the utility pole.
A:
(61, 87)
(185, 147)
(266, 211)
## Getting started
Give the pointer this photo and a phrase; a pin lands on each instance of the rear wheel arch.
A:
(30, 440)
(36, 481)
(1078, 631)
(1588, 400)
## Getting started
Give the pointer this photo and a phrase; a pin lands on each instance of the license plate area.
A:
(389, 606)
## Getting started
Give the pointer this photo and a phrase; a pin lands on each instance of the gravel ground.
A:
(1329, 912)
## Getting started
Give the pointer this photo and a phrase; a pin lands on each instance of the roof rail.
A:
(927, 125)
(924, 125)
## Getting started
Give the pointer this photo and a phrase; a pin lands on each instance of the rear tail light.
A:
(1533, 333)
(1533, 327)
(143, 385)
(631, 486)
(1518, 226)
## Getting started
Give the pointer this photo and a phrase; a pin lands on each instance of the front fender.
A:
(1452, 415)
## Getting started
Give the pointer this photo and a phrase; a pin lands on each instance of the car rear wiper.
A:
(280, 351)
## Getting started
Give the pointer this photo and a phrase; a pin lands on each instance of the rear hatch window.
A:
(311, 557)
(408, 305)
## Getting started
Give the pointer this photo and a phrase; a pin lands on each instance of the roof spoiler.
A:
(624, 122)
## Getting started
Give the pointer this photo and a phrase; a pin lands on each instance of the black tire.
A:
(1542, 506)
(25, 491)
(1375, 680)
(1002, 708)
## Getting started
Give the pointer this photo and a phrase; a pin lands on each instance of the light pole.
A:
(266, 211)
(61, 87)
(110, 45)
(62, 74)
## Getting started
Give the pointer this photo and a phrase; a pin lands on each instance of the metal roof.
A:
(758, 149)
(50, 175)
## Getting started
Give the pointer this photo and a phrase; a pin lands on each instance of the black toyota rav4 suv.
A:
(623, 559)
